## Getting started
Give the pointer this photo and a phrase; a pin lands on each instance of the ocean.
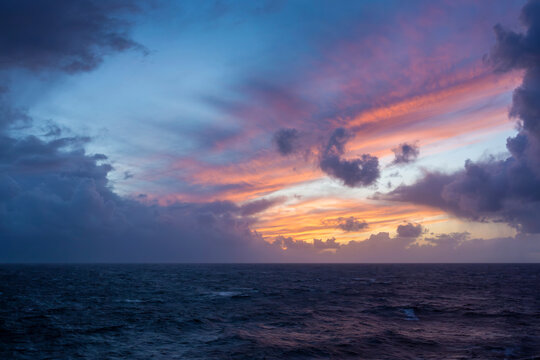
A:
(293, 311)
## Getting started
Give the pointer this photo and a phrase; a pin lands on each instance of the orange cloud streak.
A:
(433, 117)
(305, 220)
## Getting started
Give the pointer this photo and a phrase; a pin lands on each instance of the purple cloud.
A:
(363, 171)
(286, 141)
(498, 190)
(404, 248)
(409, 230)
(347, 224)
(405, 153)
(70, 36)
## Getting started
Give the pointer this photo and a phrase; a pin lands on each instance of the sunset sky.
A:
(248, 131)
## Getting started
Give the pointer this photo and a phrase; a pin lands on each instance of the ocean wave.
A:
(410, 314)
(218, 312)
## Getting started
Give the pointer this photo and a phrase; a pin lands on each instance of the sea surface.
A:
(270, 311)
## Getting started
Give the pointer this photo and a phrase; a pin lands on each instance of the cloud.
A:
(501, 191)
(286, 140)
(498, 190)
(347, 224)
(409, 230)
(128, 175)
(516, 50)
(522, 51)
(56, 201)
(362, 171)
(258, 206)
(318, 245)
(325, 244)
(405, 153)
(56, 204)
(66, 35)
(11, 117)
(441, 248)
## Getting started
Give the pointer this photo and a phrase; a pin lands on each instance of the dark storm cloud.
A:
(286, 140)
(67, 35)
(347, 224)
(405, 153)
(362, 171)
(499, 190)
(522, 51)
(56, 204)
(409, 230)
(505, 191)
(516, 50)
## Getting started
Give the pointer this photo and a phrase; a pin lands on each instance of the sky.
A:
(269, 131)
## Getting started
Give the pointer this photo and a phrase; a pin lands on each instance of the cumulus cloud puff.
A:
(405, 153)
(56, 204)
(406, 247)
(409, 230)
(362, 171)
(286, 140)
(499, 190)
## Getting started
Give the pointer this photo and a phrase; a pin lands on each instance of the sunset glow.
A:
(222, 131)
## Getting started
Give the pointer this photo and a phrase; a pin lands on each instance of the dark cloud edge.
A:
(498, 190)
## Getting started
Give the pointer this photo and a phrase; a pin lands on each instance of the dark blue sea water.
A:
(270, 312)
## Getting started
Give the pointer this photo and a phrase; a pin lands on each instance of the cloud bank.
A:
(407, 247)
(498, 190)
(56, 202)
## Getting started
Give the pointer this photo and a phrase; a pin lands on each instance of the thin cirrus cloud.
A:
(348, 224)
